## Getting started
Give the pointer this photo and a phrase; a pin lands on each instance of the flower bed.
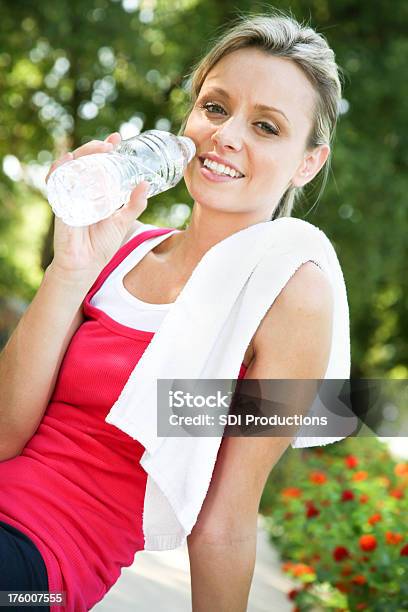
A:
(339, 517)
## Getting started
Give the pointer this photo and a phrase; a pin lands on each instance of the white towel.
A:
(204, 336)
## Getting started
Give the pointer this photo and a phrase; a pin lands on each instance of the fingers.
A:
(62, 160)
(94, 146)
(98, 146)
(114, 138)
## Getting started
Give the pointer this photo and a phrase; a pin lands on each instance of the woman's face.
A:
(267, 146)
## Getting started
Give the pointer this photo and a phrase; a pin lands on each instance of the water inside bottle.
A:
(91, 188)
(84, 190)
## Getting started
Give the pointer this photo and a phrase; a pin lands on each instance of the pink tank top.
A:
(77, 490)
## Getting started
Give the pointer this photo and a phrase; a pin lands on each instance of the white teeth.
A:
(220, 168)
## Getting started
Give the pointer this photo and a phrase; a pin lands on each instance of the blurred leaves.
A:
(71, 72)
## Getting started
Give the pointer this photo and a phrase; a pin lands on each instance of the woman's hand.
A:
(86, 250)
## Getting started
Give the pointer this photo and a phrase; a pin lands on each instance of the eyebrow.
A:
(261, 107)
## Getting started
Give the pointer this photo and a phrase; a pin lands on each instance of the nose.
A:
(227, 136)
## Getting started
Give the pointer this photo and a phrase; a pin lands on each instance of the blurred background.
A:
(78, 70)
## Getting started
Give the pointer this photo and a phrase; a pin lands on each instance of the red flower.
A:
(404, 551)
(397, 493)
(347, 495)
(312, 511)
(342, 587)
(361, 606)
(364, 498)
(351, 461)
(346, 571)
(368, 542)
(359, 579)
(318, 478)
(340, 553)
(393, 538)
(374, 518)
(292, 594)
(291, 492)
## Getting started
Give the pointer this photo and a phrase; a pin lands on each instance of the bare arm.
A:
(30, 361)
(292, 342)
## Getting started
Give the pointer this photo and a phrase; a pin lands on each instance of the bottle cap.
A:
(188, 146)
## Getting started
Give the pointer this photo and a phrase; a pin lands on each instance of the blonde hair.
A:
(281, 35)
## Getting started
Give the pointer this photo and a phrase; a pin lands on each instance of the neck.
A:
(207, 228)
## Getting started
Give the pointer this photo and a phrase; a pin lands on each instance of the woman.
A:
(264, 108)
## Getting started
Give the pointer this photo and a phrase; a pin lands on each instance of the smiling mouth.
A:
(217, 172)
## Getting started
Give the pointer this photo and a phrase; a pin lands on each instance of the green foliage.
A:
(339, 517)
(73, 71)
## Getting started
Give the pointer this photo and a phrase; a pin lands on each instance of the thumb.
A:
(136, 205)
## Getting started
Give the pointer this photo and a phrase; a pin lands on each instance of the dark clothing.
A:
(22, 567)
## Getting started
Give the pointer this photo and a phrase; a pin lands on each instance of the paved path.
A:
(160, 582)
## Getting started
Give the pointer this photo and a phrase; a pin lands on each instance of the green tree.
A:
(75, 71)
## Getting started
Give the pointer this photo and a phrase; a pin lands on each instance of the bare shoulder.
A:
(308, 291)
(293, 339)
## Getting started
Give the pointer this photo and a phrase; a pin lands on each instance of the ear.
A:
(312, 162)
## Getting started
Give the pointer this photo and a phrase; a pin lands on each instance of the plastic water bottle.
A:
(90, 188)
